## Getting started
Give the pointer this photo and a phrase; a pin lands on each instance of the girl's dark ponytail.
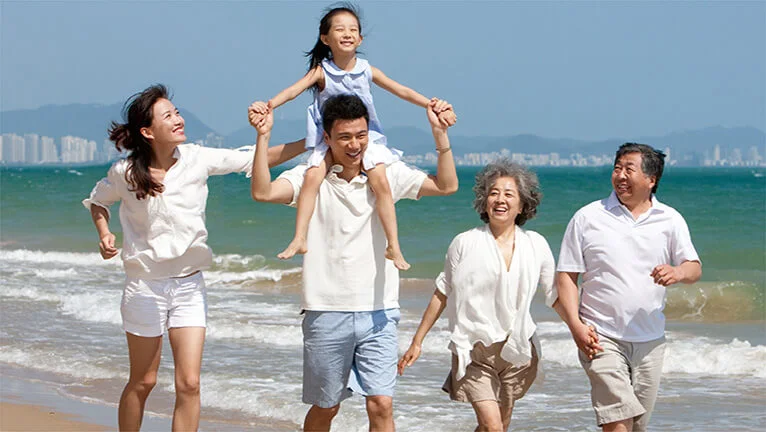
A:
(318, 53)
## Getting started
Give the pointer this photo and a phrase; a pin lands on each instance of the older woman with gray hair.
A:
(490, 275)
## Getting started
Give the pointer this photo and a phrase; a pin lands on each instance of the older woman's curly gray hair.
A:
(526, 182)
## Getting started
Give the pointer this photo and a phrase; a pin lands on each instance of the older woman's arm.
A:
(431, 314)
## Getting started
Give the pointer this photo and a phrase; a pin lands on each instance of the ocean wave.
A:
(228, 277)
(28, 292)
(551, 328)
(99, 306)
(262, 397)
(56, 274)
(264, 334)
(716, 302)
(54, 257)
(703, 356)
(238, 262)
(50, 361)
(683, 354)
(245, 308)
(436, 342)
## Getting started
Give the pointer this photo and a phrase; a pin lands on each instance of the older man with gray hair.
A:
(628, 248)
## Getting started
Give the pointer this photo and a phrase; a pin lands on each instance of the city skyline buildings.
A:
(35, 149)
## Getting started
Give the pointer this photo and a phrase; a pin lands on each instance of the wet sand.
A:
(29, 404)
(23, 417)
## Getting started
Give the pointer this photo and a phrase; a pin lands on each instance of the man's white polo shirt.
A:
(345, 268)
(616, 255)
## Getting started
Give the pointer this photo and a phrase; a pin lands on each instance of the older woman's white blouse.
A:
(165, 235)
(487, 303)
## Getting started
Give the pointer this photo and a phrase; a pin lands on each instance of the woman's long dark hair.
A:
(320, 50)
(137, 113)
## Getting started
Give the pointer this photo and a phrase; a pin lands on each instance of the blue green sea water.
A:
(714, 376)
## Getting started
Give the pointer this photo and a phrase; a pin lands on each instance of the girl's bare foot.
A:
(397, 257)
(296, 247)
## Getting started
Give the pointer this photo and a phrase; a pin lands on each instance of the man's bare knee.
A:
(325, 413)
(319, 419)
(380, 406)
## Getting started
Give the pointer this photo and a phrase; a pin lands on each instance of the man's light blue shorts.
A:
(349, 351)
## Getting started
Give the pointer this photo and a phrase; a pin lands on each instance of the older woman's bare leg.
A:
(488, 416)
(506, 410)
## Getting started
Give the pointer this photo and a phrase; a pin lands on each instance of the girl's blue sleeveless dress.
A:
(338, 81)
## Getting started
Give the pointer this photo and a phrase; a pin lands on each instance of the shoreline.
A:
(16, 417)
(30, 404)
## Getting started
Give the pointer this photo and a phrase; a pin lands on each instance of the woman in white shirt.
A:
(490, 276)
(162, 185)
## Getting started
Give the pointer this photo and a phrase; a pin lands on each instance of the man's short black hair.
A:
(652, 161)
(343, 107)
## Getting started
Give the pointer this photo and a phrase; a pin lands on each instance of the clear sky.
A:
(588, 70)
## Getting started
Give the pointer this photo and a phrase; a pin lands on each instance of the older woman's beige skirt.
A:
(490, 377)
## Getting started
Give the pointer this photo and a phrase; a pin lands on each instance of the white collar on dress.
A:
(333, 69)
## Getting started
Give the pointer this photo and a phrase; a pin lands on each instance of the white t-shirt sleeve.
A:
(444, 280)
(547, 270)
(682, 248)
(295, 177)
(106, 191)
(571, 257)
(226, 161)
(405, 180)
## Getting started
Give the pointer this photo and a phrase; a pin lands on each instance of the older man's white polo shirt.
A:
(616, 255)
(345, 268)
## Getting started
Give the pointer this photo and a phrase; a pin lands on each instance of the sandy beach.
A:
(22, 417)
(28, 404)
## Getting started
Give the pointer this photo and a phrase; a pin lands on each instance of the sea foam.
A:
(66, 258)
(55, 362)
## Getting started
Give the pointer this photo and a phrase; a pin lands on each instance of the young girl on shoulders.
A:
(334, 68)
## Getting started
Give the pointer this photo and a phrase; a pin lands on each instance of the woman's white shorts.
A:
(151, 306)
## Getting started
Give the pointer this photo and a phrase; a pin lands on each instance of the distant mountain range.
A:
(91, 121)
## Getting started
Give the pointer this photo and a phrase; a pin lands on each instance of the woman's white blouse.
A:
(487, 303)
(165, 235)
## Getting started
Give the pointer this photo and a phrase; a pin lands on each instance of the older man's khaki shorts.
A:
(625, 379)
(490, 377)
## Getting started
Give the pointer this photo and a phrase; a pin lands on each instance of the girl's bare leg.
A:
(384, 205)
(306, 203)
